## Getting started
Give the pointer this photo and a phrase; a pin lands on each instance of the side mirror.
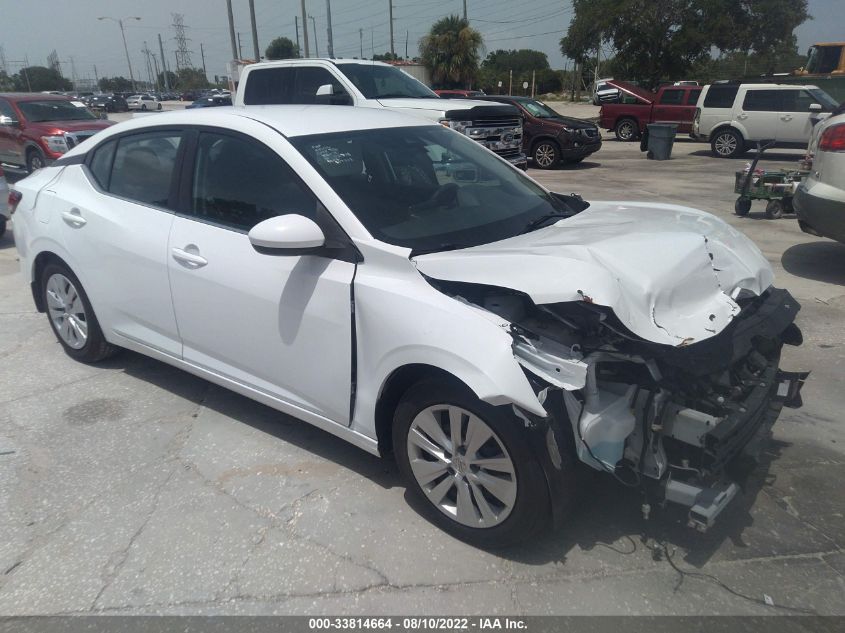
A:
(8, 121)
(816, 107)
(286, 235)
(326, 90)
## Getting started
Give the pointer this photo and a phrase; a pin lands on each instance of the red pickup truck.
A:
(639, 107)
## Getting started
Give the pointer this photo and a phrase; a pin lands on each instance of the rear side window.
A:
(720, 96)
(143, 167)
(269, 86)
(672, 97)
(239, 183)
(101, 162)
(762, 101)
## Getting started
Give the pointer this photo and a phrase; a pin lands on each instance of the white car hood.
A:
(443, 105)
(668, 273)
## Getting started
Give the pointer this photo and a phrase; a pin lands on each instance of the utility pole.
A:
(465, 9)
(125, 47)
(231, 32)
(361, 37)
(96, 77)
(390, 20)
(254, 31)
(296, 25)
(305, 29)
(164, 63)
(155, 68)
(406, 44)
(202, 54)
(314, 31)
(240, 49)
(533, 79)
(510, 82)
(329, 27)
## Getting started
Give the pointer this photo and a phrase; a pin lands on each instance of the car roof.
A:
(311, 60)
(33, 96)
(290, 120)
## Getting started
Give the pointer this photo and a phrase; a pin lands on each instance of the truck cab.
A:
(638, 107)
(369, 84)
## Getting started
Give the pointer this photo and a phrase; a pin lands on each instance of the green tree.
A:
(665, 39)
(115, 84)
(518, 61)
(386, 57)
(171, 78)
(39, 78)
(191, 78)
(282, 48)
(450, 51)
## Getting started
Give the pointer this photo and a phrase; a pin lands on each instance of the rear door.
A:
(670, 108)
(759, 114)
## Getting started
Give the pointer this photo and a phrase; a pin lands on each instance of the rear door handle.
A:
(74, 218)
(192, 260)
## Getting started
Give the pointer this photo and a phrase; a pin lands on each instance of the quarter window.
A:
(101, 163)
(762, 101)
(239, 183)
(720, 96)
(143, 167)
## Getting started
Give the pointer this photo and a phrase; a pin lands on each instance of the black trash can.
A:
(661, 137)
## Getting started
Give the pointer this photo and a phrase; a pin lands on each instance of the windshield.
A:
(384, 82)
(428, 188)
(55, 110)
(828, 102)
(539, 109)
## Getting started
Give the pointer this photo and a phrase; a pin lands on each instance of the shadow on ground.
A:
(604, 515)
(821, 261)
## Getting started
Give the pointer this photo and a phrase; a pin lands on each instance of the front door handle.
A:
(193, 260)
(786, 117)
(74, 218)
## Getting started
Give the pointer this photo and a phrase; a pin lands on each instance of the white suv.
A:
(732, 116)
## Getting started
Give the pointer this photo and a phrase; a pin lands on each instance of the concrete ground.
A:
(132, 487)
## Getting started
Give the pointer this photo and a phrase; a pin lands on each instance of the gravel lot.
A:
(132, 487)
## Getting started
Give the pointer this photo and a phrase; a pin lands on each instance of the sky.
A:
(34, 28)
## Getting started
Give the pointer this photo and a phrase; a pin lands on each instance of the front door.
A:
(796, 119)
(279, 324)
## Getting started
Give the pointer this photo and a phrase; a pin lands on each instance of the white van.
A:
(734, 116)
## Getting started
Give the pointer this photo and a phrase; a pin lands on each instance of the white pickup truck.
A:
(370, 84)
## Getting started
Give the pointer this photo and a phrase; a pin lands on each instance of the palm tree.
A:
(450, 51)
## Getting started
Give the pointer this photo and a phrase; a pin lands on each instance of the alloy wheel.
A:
(462, 466)
(67, 311)
(725, 144)
(544, 155)
(626, 130)
(36, 162)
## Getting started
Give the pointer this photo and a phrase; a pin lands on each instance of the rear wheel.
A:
(774, 209)
(626, 130)
(545, 154)
(742, 206)
(2, 226)
(727, 143)
(471, 464)
(71, 316)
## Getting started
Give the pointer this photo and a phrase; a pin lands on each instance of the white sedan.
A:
(398, 285)
(143, 103)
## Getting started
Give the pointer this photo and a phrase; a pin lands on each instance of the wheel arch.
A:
(727, 126)
(39, 263)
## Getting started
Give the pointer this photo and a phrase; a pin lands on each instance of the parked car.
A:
(604, 92)
(458, 94)
(190, 95)
(549, 138)
(5, 215)
(143, 103)
(819, 201)
(638, 107)
(732, 116)
(108, 103)
(390, 281)
(36, 129)
(210, 102)
(368, 84)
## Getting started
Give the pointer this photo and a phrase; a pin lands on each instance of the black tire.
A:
(2, 226)
(727, 143)
(626, 130)
(530, 512)
(158, 107)
(109, 108)
(546, 154)
(742, 206)
(96, 348)
(143, 107)
(788, 206)
(774, 209)
(35, 160)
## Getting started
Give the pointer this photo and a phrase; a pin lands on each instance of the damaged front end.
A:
(666, 419)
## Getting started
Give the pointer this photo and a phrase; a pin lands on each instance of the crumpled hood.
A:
(668, 273)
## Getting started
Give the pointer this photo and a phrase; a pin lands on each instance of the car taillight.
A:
(833, 139)
(14, 199)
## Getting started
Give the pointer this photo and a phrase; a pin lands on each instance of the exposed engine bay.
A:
(664, 418)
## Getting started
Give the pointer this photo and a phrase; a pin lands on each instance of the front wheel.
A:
(626, 130)
(71, 316)
(742, 206)
(727, 144)
(35, 160)
(774, 209)
(471, 464)
(2, 226)
(143, 107)
(546, 154)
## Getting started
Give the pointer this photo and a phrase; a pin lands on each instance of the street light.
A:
(125, 48)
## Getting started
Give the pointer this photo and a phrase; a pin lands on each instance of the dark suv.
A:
(108, 103)
(36, 129)
(549, 138)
